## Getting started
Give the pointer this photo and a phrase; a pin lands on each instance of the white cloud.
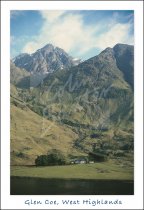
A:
(31, 47)
(51, 16)
(116, 34)
(68, 31)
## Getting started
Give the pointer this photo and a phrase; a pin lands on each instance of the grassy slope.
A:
(108, 170)
(31, 135)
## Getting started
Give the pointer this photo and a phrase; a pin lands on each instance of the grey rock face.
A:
(125, 61)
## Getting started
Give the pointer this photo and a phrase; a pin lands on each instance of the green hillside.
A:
(86, 108)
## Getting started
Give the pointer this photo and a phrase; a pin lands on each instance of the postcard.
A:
(72, 92)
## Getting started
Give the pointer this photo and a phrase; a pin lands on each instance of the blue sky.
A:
(82, 34)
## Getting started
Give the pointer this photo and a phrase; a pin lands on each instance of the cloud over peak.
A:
(77, 32)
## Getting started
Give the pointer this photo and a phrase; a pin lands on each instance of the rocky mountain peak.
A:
(45, 60)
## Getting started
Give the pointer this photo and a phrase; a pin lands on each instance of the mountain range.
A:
(74, 106)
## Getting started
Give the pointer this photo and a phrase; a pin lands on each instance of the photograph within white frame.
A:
(128, 202)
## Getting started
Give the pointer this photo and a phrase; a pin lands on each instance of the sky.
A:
(82, 34)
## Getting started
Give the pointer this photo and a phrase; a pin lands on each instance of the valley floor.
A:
(110, 170)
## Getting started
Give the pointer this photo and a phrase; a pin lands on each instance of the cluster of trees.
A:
(52, 158)
(97, 157)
